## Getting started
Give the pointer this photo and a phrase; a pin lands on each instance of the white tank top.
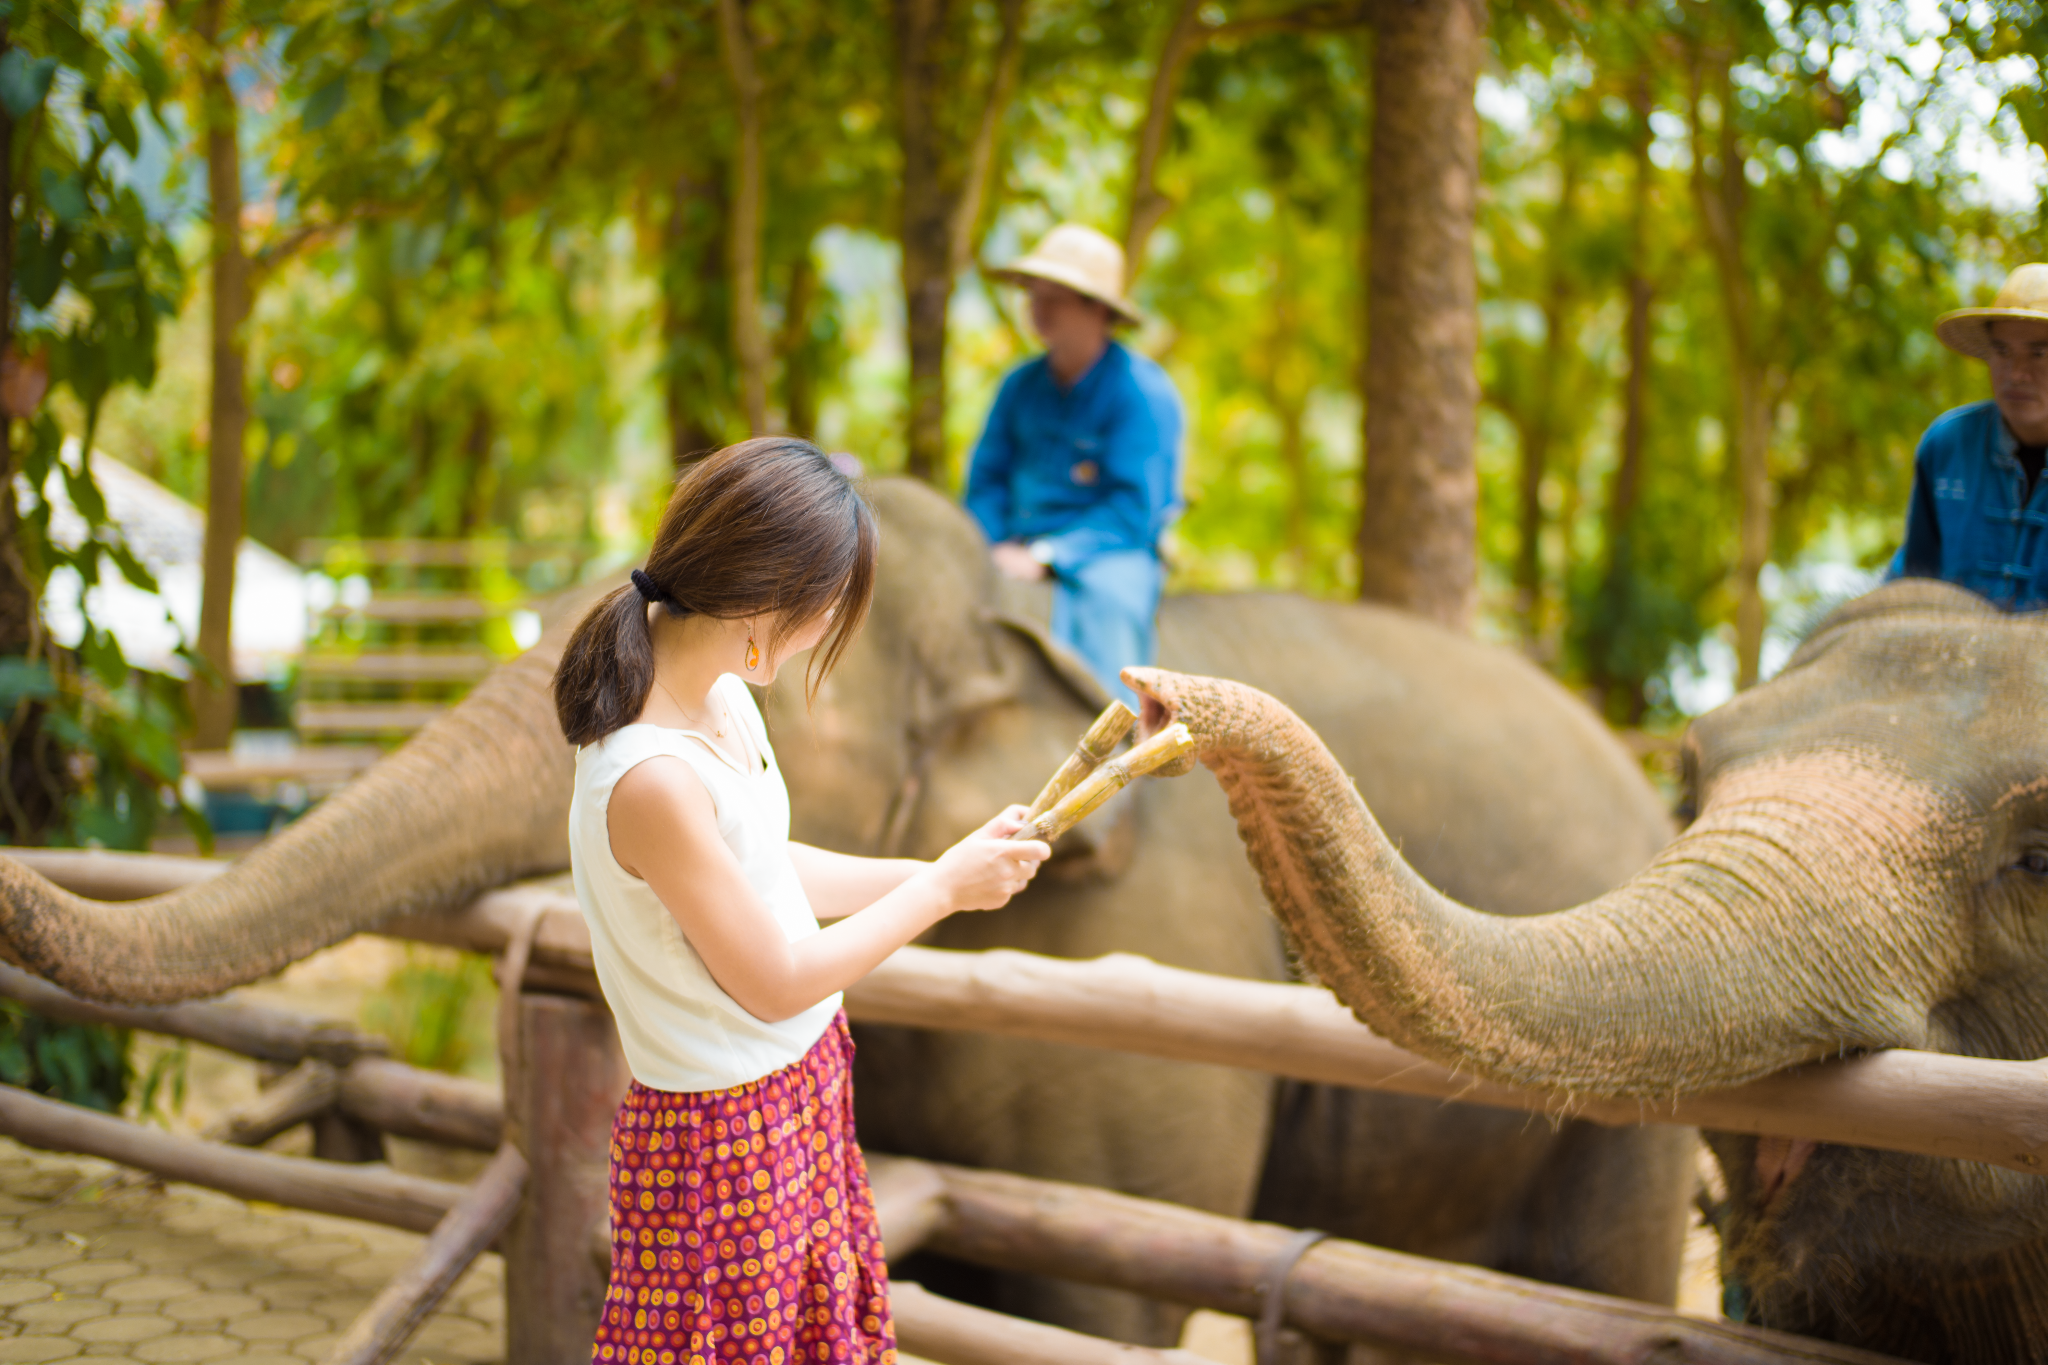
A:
(680, 1031)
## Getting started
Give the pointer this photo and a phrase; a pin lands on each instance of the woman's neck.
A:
(690, 654)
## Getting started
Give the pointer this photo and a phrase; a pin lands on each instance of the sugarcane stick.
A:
(1110, 777)
(1103, 736)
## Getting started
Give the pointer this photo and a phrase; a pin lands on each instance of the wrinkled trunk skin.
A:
(474, 800)
(1697, 984)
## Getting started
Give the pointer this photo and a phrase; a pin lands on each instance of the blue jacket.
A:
(1087, 470)
(1965, 523)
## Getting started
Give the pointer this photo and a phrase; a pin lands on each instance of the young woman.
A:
(742, 1226)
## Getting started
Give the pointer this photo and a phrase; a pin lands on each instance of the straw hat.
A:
(2024, 296)
(1083, 260)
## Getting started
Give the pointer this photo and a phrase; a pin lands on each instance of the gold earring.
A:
(753, 654)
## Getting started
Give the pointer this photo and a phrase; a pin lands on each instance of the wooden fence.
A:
(542, 1199)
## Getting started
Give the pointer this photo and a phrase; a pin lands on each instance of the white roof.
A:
(168, 535)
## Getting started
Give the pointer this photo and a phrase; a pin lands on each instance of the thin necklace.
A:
(686, 710)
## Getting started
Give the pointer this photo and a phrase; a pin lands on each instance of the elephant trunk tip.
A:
(1155, 701)
(1159, 708)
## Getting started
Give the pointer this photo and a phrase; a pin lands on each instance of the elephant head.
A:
(891, 758)
(945, 710)
(1866, 867)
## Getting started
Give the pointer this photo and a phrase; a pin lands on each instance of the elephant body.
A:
(1500, 786)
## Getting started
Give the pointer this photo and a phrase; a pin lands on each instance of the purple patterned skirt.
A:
(742, 1226)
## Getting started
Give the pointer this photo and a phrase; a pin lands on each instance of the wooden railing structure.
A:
(433, 621)
(542, 1199)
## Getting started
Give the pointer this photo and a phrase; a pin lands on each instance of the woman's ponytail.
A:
(606, 673)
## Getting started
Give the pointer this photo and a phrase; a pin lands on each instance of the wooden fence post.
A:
(575, 1076)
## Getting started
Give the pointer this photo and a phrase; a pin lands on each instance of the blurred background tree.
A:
(519, 260)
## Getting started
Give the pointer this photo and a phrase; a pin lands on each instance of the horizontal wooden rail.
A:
(372, 1193)
(321, 767)
(404, 1100)
(1338, 1291)
(109, 876)
(960, 1334)
(423, 609)
(1934, 1104)
(314, 553)
(365, 718)
(409, 1102)
(301, 1094)
(454, 665)
(242, 1026)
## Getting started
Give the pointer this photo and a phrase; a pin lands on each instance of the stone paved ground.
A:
(95, 1268)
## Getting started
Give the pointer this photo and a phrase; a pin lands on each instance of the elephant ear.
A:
(940, 582)
(1061, 662)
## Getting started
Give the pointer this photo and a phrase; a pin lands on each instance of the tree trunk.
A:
(1541, 432)
(695, 319)
(1277, 372)
(945, 185)
(749, 340)
(1625, 491)
(1148, 205)
(799, 350)
(981, 153)
(926, 235)
(213, 700)
(1722, 195)
(1418, 528)
(481, 494)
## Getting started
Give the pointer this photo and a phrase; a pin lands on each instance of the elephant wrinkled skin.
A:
(1867, 868)
(1503, 789)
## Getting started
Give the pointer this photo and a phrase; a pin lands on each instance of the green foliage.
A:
(427, 381)
(166, 1084)
(1854, 237)
(78, 1063)
(434, 1008)
(1254, 272)
(90, 747)
(509, 303)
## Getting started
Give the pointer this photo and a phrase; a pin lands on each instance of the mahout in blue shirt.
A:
(1085, 470)
(1967, 522)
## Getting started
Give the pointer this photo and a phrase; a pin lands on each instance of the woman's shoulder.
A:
(603, 762)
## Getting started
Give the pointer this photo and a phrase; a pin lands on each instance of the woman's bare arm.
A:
(838, 884)
(664, 830)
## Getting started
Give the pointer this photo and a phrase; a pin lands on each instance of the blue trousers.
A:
(1104, 611)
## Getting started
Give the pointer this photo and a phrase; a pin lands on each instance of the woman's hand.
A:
(985, 869)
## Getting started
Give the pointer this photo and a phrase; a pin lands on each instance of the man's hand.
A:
(1016, 561)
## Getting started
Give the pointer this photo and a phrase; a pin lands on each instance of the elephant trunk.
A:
(1792, 921)
(477, 798)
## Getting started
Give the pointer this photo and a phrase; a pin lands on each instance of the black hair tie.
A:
(647, 588)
